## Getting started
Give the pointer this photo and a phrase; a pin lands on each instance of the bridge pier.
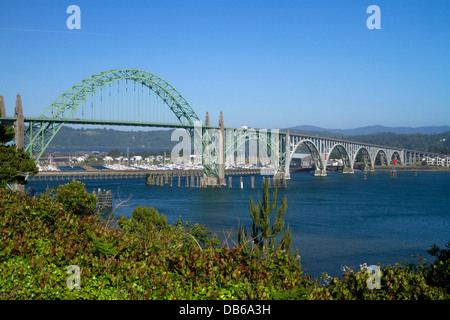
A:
(320, 173)
(220, 180)
(19, 137)
(348, 170)
(2, 107)
(287, 144)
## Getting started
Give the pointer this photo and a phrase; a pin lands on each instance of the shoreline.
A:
(413, 168)
(385, 168)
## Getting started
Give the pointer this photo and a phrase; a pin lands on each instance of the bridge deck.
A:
(135, 173)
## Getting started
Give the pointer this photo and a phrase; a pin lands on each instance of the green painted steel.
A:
(117, 98)
(274, 142)
(63, 109)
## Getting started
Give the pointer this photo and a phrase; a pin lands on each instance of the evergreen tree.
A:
(263, 230)
(15, 164)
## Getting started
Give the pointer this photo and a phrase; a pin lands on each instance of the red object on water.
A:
(395, 162)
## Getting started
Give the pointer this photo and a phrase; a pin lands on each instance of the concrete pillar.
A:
(287, 160)
(19, 124)
(207, 123)
(320, 173)
(2, 107)
(19, 137)
(222, 181)
(348, 170)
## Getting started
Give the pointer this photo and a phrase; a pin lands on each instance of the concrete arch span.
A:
(319, 162)
(366, 157)
(345, 157)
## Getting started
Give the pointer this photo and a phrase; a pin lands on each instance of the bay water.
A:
(338, 220)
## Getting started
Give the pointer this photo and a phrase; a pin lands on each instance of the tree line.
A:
(438, 143)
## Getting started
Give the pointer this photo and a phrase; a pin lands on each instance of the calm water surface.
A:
(335, 220)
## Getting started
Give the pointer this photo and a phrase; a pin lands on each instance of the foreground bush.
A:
(396, 283)
(74, 198)
(146, 258)
(38, 241)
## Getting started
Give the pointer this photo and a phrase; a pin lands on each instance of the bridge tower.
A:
(207, 123)
(2, 107)
(19, 136)
(220, 180)
(19, 127)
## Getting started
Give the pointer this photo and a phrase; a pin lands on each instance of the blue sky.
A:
(266, 64)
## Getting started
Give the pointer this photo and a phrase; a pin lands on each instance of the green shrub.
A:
(170, 262)
(397, 282)
(75, 199)
(143, 220)
(438, 273)
(38, 241)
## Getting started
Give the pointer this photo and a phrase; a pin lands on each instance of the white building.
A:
(108, 159)
(136, 159)
(438, 161)
(150, 159)
(80, 159)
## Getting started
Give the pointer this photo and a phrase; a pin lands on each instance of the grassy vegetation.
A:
(146, 258)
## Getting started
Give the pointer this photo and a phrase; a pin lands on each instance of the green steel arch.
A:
(41, 132)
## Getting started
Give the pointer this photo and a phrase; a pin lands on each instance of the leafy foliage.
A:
(38, 240)
(397, 282)
(74, 198)
(439, 271)
(153, 260)
(145, 218)
(102, 248)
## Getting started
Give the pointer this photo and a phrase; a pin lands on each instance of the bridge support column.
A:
(19, 127)
(220, 180)
(321, 165)
(320, 173)
(287, 160)
(2, 107)
(19, 137)
(347, 170)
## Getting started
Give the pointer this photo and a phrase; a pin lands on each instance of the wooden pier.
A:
(104, 198)
(191, 178)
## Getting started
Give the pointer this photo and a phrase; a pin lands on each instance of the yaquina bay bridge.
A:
(132, 97)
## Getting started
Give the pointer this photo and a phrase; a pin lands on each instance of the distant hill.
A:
(422, 138)
(307, 129)
(69, 137)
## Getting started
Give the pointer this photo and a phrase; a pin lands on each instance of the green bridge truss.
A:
(127, 97)
(115, 97)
